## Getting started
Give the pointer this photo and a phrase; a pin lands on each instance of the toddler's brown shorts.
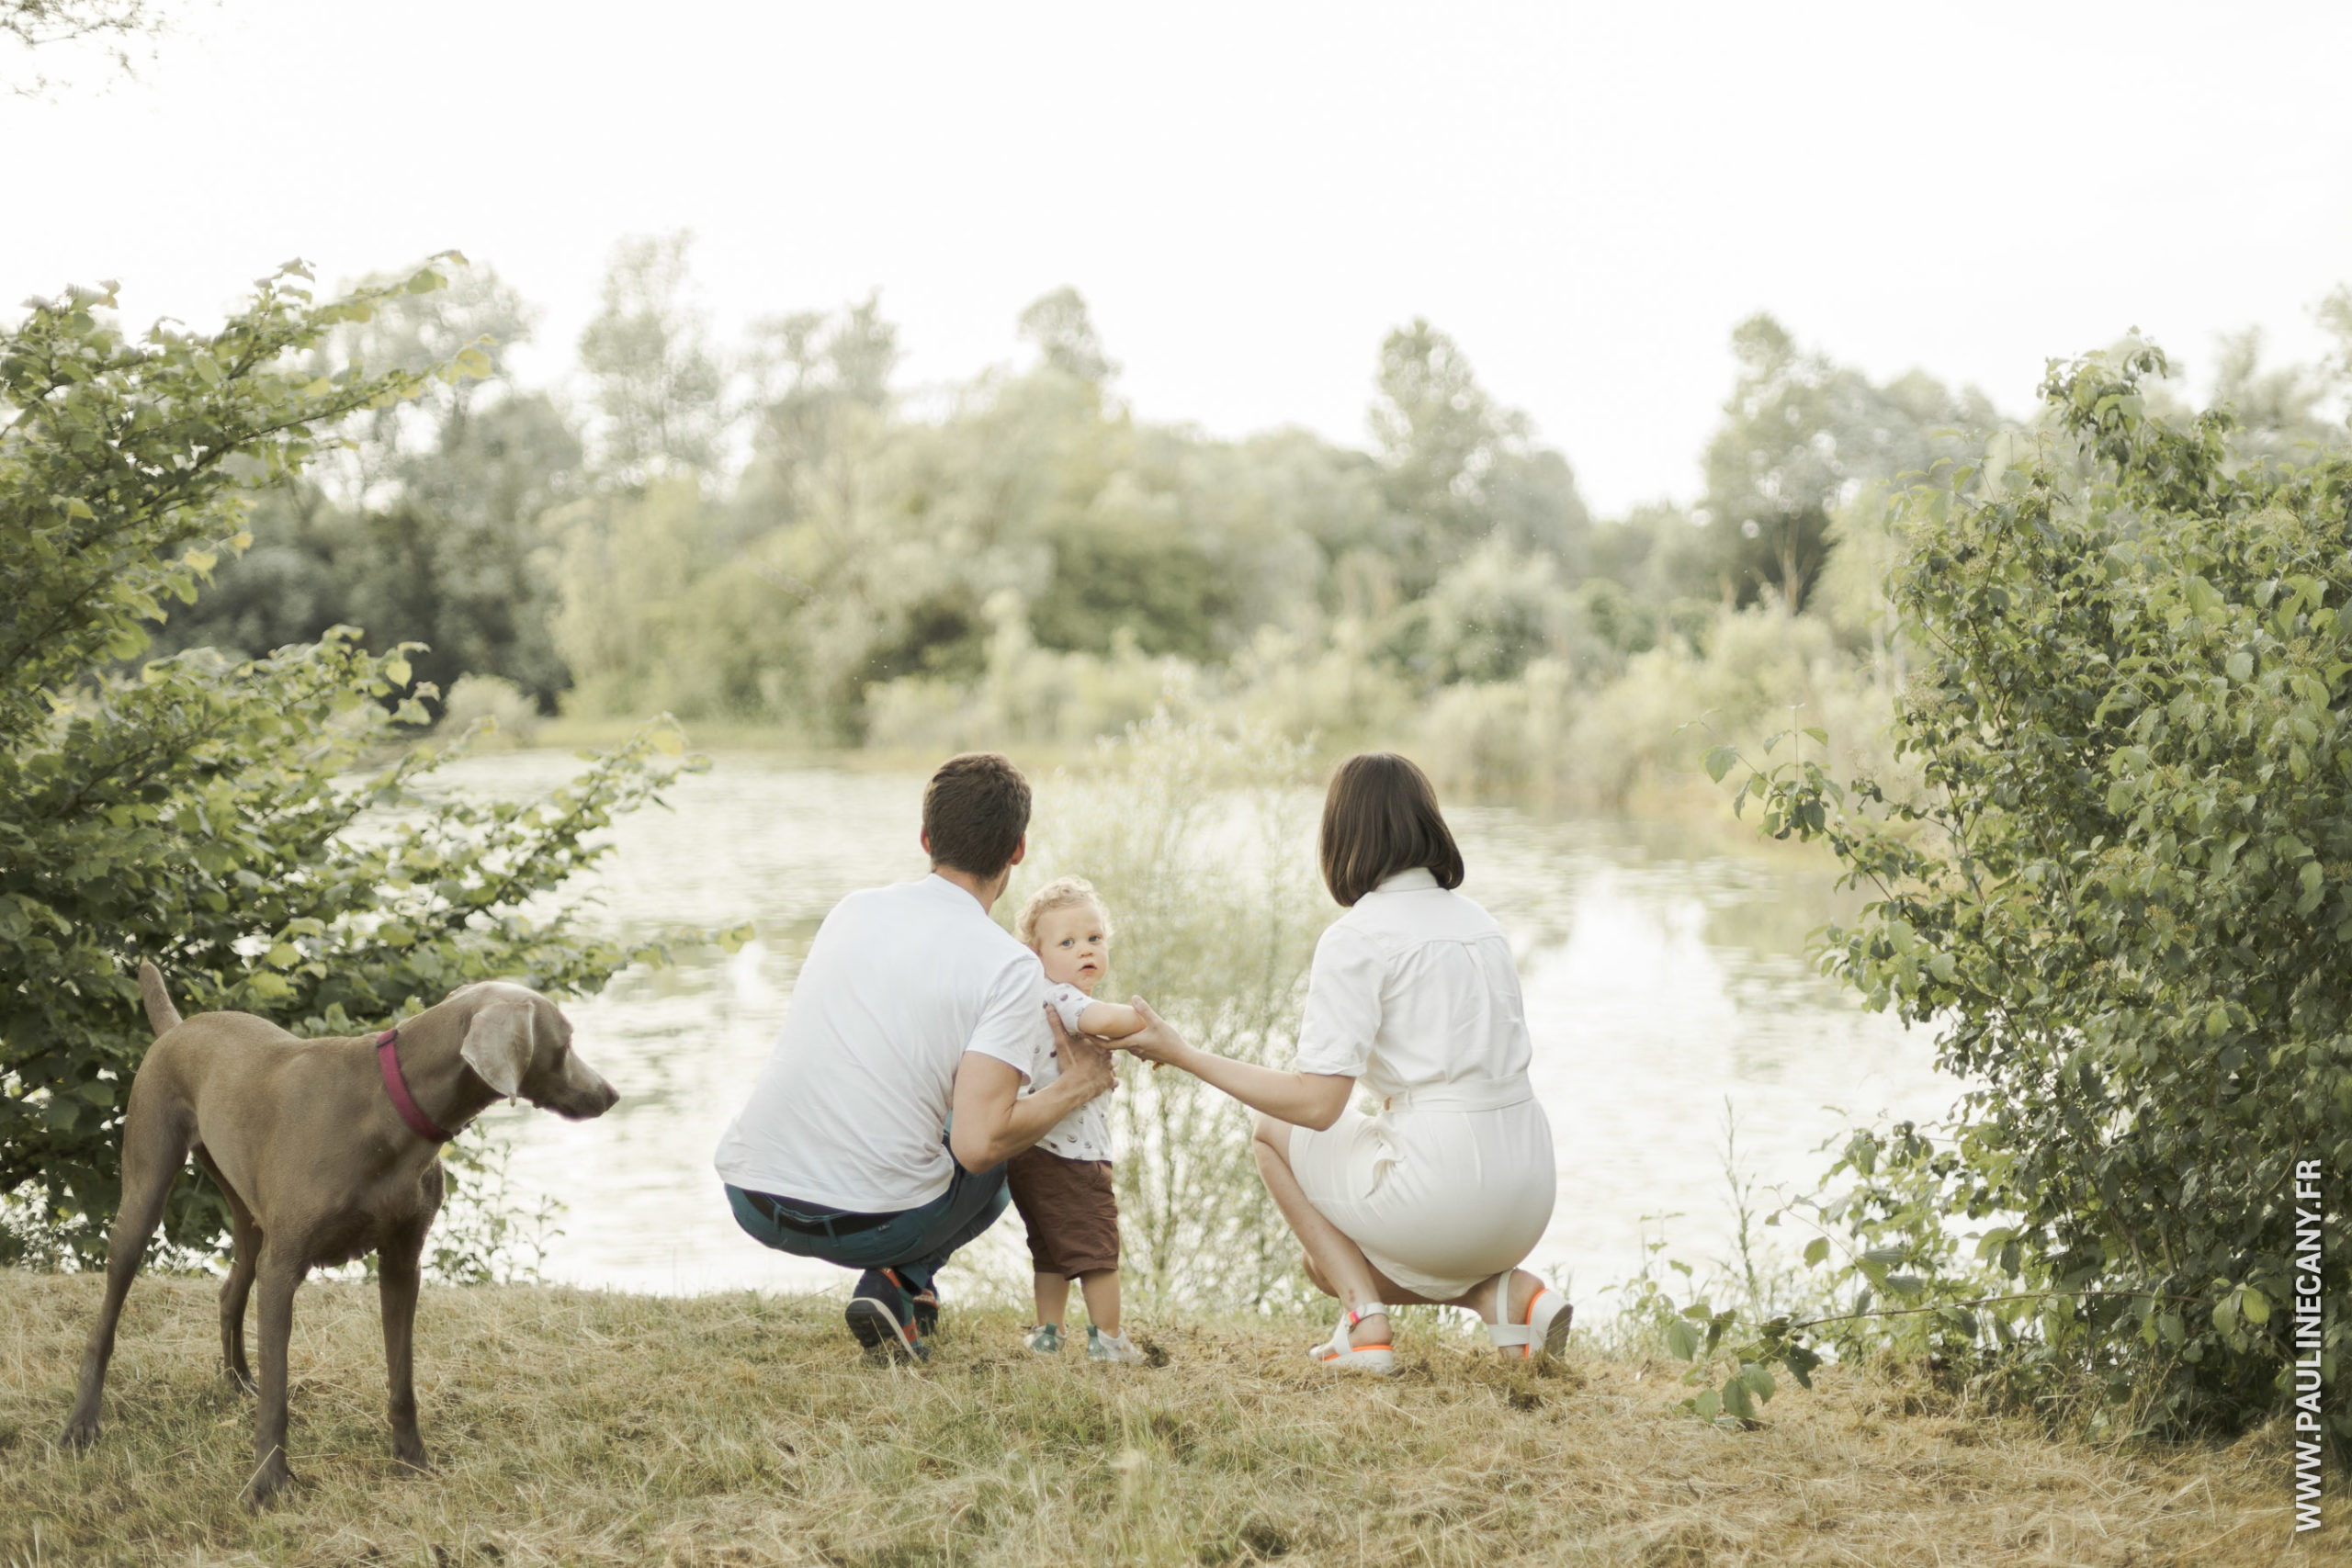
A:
(1070, 1210)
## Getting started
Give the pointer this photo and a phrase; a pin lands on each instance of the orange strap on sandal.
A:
(1542, 1332)
(1340, 1352)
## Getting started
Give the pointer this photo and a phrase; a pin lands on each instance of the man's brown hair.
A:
(974, 812)
(1381, 818)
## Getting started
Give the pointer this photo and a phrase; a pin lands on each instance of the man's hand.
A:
(1084, 1061)
(994, 1120)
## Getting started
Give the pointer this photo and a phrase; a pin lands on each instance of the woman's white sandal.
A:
(1544, 1331)
(1339, 1353)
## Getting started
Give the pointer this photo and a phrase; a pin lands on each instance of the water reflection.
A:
(1661, 974)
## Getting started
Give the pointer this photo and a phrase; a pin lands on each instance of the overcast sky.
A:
(1587, 197)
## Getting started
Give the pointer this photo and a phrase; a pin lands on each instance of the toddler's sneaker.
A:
(1047, 1340)
(1102, 1347)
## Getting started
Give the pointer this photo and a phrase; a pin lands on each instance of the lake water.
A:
(1662, 975)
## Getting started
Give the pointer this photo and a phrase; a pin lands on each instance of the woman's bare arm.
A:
(1303, 1099)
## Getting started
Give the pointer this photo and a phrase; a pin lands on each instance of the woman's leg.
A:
(1335, 1263)
(1520, 1287)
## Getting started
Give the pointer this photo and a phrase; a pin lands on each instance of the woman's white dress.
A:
(1414, 995)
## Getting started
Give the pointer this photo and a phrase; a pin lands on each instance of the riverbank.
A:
(582, 1428)
(1689, 801)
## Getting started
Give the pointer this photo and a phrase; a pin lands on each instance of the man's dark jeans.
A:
(915, 1243)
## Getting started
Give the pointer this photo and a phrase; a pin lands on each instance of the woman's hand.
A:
(1157, 1042)
(1305, 1099)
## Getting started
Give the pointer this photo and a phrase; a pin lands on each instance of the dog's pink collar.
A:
(388, 1058)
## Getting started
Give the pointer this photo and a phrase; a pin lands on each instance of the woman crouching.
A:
(1440, 1195)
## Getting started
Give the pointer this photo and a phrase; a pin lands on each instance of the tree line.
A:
(778, 532)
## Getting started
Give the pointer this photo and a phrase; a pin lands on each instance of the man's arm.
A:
(993, 1122)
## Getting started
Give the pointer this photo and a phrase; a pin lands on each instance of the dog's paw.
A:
(241, 1379)
(412, 1457)
(80, 1432)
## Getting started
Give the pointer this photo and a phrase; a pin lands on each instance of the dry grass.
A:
(580, 1427)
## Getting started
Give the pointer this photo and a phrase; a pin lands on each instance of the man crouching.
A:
(877, 1134)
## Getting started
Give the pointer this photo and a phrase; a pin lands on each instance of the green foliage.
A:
(424, 524)
(1484, 620)
(863, 549)
(2122, 898)
(228, 819)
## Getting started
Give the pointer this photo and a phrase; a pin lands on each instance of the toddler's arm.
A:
(1110, 1021)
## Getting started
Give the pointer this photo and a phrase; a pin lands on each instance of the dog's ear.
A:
(497, 1044)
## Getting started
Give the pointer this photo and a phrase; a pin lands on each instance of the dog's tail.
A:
(160, 1014)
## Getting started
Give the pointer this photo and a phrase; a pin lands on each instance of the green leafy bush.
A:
(2124, 899)
(203, 812)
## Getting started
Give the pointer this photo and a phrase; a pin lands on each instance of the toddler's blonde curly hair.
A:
(1061, 893)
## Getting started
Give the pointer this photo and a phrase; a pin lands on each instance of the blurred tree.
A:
(1802, 435)
(1658, 552)
(1063, 332)
(820, 397)
(658, 385)
(2279, 411)
(2335, 317)
(1614, 619)
(1162, 595)
(1456, 468)
(1484, 620)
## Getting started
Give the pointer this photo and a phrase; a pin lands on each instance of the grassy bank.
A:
(580, 1427)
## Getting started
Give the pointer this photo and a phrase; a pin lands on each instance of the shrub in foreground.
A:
(201, 812)
(2125, 901)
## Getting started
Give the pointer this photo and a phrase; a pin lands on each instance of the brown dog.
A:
(327, 1150)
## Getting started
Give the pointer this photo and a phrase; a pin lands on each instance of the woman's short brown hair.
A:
(1381, 818)
(974, 812)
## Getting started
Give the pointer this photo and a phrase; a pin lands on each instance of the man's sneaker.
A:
(1047, 1340)
(1102, 1347)
(881, 1317)
(926, 1308)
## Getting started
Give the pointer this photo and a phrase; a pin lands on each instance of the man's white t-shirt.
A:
(850, 1109)
(1085, 1132)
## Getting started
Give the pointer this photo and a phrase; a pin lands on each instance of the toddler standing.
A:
(1062, 1185)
